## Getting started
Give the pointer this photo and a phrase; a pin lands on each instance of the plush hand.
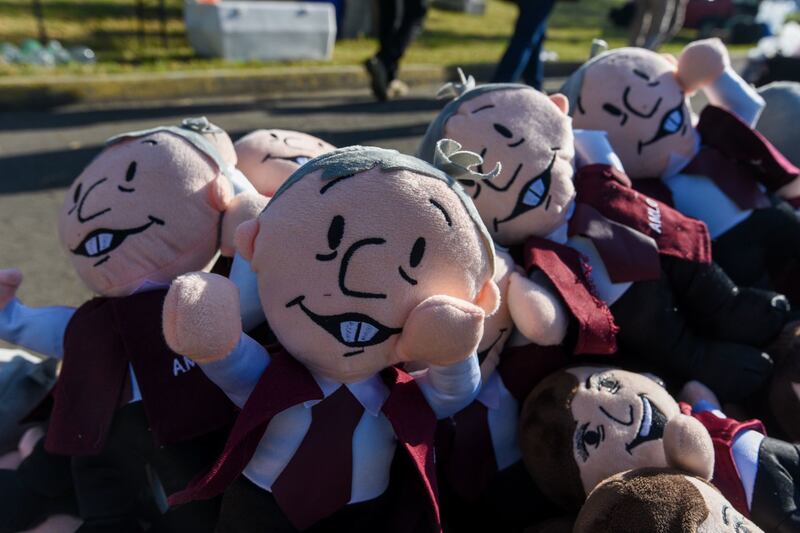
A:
(201, 317)
(688, 446)
(10, 280)
(441, 330)
(702, 62)
(245, 206)
(538, 314)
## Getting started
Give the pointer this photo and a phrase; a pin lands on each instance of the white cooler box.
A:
(245, 31)
(473, 7)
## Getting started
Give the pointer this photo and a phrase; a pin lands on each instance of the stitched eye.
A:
(611, 109)
(502, 130)
(336, 232)
(131, 172)
(609, 383)
(417, 251)
(77, 194)
(591, 438)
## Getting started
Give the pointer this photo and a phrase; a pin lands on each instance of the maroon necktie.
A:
(317, 481)
(471, 462)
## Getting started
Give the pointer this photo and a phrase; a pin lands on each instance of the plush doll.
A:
(778, 122)
(482, 480)
(269, 157)
(133, 417)
(626, 266)
(365, 259)
(602, 421)
(659, 500)
(718, 169)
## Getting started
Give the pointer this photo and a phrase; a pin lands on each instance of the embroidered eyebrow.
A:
(641, 74)
(331, 183)
(149, 141)
(488, 106)
(441, 208)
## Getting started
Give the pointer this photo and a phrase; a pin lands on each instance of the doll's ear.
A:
(489, 298)
(220, 193)
(561, 101)
(245, 238)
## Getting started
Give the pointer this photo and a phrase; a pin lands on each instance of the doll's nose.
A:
(82, 208)
(347, 260)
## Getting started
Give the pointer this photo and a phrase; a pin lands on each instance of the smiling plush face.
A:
(531, 137)
(620, 418)
(146, 209)
(635, 96)
(269, 157)
(342, 261)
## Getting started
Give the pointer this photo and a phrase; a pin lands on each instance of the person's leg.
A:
(532, 18)
(393, 49)
(659, 24)
(533, 74)
(678, 16)
(640, 24)
(377, 65)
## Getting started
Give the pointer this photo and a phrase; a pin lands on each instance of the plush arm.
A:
(537, 310)
(249, 301)
(592, 147)
(706, 65)
(450, 388)
(238, 373)
(39, 329)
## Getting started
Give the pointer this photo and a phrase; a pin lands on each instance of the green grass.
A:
(109, 27)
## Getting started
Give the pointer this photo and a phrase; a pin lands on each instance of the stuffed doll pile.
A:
(129, 418)
(582, 425)
(382, 261)
(626, 267)
(717, 169)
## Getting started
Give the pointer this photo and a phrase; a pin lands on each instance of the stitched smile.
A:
(671, 123)
(354, 330)
(532, 195)
(651, 427)
(102, 241)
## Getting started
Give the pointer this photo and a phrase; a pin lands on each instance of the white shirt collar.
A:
(148, 285)
(371, 393)
(489, 394)
(678, 162)
(560, 234)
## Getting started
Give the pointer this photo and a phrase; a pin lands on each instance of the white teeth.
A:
(349, 330)
(367, 332)
(301, 160)
(647, 418)
(533, 196)
(105, 241)
(91, 246)
(673, 122)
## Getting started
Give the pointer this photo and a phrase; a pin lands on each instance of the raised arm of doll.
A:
(706, 65)
(538, 312)
(592, 147)
(202, 322)
(450, 388)
(40, 329)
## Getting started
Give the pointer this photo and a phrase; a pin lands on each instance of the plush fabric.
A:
(778, 122)
(269, 157)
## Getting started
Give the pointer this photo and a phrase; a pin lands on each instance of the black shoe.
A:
(380, 78)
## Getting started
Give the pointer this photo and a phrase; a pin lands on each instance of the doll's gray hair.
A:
(352, 160)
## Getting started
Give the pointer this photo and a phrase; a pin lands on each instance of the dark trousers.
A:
(247, 508)
(756, 252)
(521, 59)
(776, 496)
(694, 323)
(511, 503)
(123, 485)
(399, 23)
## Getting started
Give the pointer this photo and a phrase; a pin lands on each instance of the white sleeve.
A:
(451, 388)
(40, 329)
(593, 147)
(249, 302)
(732, 93)
(238, 373)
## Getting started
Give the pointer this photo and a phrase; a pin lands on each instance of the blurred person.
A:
(655, 22)
(399, 23)
(522, 57)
